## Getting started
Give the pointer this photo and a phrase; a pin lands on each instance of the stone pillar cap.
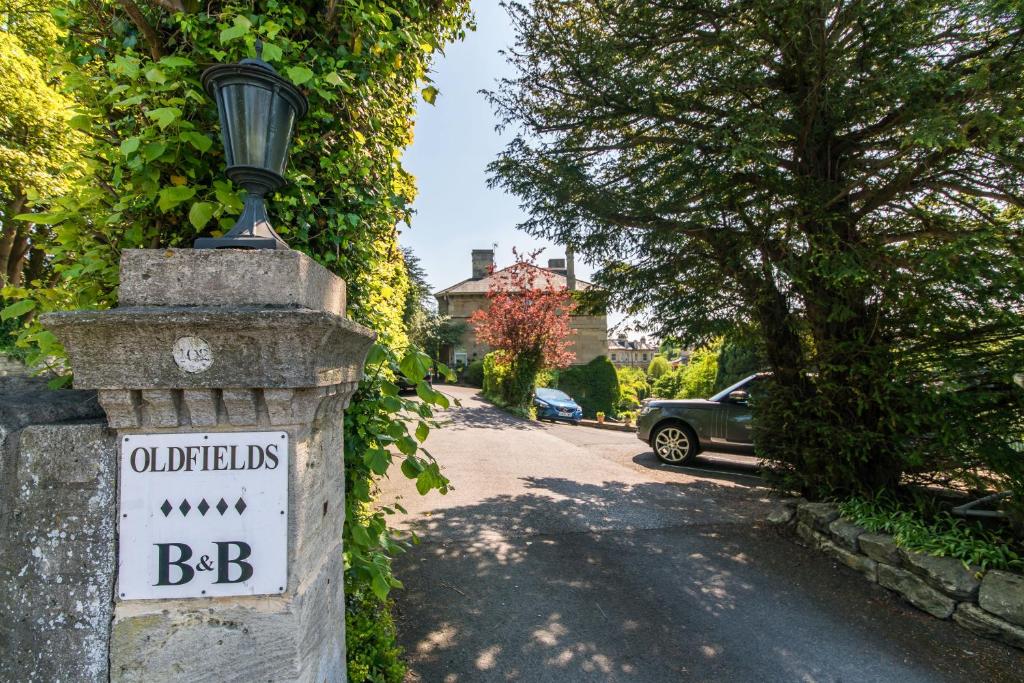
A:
(228, 277)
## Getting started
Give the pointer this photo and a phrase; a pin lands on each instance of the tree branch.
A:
(149, 33)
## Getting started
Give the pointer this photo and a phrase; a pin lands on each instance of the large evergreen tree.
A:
(844, 175)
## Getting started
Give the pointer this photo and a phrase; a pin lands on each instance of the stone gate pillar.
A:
(225, 374)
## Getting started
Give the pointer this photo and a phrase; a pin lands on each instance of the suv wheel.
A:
(675, 444)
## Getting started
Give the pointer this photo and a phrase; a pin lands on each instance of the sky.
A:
(454, 141)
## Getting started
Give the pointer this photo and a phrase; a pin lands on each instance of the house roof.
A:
(629, 345)
(483, 285)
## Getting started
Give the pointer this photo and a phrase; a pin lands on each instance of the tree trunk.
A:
(9, 233)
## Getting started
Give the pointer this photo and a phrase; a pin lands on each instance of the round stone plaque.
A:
(192, 354)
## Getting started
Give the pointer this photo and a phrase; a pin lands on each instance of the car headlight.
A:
(646, 409)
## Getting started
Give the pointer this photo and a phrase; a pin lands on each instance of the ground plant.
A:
(923, 529)
(634, 387)
(843, 178)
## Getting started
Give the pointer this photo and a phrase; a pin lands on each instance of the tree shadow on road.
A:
(485, 416)
(653, 582)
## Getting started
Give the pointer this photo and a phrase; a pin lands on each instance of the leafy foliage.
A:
(370, 639)
(739, 357)
(595, 386)
(694, 380)
(509, 384)
(634, 387)
(934, 533)
(843, 178)
(659, 366)
(473, 375)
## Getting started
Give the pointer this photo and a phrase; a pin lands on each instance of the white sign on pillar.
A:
(203, 515)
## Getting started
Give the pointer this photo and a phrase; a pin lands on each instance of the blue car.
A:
(553, 404)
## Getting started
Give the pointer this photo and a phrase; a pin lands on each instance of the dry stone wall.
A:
(989, 604)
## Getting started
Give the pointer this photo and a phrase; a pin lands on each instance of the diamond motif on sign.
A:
(240, 506)
(184, 507)
(166, 508)
(203, 507)
(222, 506)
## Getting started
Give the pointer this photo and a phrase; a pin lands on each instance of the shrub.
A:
(668, 384)
(933, 532)
(633, 387)
(509, 384)
(370, 638)
(595, 386)
(695, 380)
(547, 378)
(473, 375)
(659, 366)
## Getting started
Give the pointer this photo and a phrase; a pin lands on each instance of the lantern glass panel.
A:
(260, 123)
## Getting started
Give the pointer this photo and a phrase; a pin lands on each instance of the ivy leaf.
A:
(299, 74)
(155, 75)
(200, 214)
(80, 122)
(411, 468)
(422, 430)
(359, 534)
(272, 53)
(130, 145)
(407, 446)
(415, 365)
(197, 140)
(153, 151)
(164, 116)
(333, 78)
(170, 197)
(378, 354)
(241, 27)
(424, 482)
(377, 459)
(17, 309)
(430, 94)
(43, 218)
(175, 62)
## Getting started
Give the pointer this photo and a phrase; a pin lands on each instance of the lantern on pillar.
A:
(258, 110)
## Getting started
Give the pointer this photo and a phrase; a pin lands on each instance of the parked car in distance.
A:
(680, 429)
(553, 404)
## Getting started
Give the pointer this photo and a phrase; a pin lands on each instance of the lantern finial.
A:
(258, 109)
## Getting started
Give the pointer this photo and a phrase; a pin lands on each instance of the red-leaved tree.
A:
(527, 323)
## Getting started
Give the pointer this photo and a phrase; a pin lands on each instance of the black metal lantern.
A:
(258, 110)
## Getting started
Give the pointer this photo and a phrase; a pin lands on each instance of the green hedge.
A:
(370, 638)
(595, 386)
(473, 375)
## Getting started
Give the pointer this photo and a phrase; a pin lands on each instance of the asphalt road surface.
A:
(570, 554)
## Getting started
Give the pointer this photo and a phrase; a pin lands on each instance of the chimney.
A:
(483, 261)
(557, 266)
(570, 268)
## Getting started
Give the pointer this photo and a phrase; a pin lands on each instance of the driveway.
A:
(570, 554)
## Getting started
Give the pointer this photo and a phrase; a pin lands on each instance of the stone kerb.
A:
(989, 604)
(223, 341)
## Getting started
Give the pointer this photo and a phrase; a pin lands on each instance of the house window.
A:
(460, 358)
(643, 357)
(613, 357)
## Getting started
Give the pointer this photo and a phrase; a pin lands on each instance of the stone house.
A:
(461, 300)
(623, 352)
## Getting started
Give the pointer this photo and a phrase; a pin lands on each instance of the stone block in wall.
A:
(845, 533)
(880, 548)
(855, 561)
(945, 573)
(57, 555)
(781, 514)
(916, 591)
(979, 621)
(1002, 594)
(817, 515)
(809, 536)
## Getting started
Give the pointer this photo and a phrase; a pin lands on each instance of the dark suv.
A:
(679, 429)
